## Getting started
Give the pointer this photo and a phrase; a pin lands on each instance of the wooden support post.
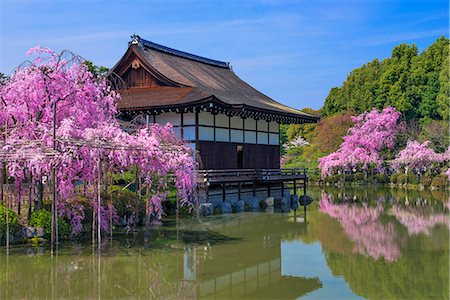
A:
(2, 195)
(268, 189)
(295, 187)
(99, 202)
(207, 192)
(223, 193)
(30, 195)
(136, 205)
(7, 213)
(254, 188)
(239, 191)
(282, 189)
(110, 206)
(304, 193)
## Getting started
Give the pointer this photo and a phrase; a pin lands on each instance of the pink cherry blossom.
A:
(416, 156)
(87, 132)
(373, 131)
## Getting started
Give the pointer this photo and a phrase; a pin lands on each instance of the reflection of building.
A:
(251, 268)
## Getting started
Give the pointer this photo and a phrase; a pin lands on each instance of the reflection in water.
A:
(357, 242)
(416, 221)
(363, 227)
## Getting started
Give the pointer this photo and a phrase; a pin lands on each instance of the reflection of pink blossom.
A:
(416, 222)
(362, 225)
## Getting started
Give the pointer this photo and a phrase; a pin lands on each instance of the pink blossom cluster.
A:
(417, 156)
(372, 132)
(363, 226)
(416, 222)
(87, 133)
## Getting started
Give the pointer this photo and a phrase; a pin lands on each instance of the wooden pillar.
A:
(30, 195)
(239, 191)
(282, 189)
(2, 195)
(223, 193)
(136, 206)
(268, 189)
(254, 188)
(295, 187)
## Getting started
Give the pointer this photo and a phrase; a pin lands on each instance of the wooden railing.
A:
(250, 175)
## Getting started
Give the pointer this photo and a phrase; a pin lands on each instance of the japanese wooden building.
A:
(231, 125)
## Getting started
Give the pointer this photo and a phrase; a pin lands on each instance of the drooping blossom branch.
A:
(86, 130)
(372, 132)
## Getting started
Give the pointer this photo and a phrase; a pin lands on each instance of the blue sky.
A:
(293, 51)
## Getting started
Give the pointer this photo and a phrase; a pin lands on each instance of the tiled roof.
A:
(198, 78)
(155, 46)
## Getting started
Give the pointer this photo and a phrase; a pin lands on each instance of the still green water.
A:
(353, 243)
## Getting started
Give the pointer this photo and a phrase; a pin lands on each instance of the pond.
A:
(353, 243)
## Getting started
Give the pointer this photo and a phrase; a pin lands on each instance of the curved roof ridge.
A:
(135, 39)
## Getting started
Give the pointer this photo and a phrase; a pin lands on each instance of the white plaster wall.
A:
(263, 125)
(189, 133)
(263, 138)
(274, 139)
(236, 122)
(171, 117)
(205, 133)
(273, 127)
(237, 136)
(250, 124)
(250, 137)
(189, 118)
(222, 135)
(222, 120)
(205, 118)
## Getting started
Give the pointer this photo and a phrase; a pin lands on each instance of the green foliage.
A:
(12, 221)
(394, 178)
(97, 71)
(124, 178)
(359, 176)
(417, 85)
(425, 181)
(3, 78)
(381, 178)
(43, 219)
(124, 200)
(439, 181)
(437, 133)
(283, 136)
(401, 179)
(412, 179)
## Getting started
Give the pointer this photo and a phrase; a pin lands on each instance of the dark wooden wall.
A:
(218, 155)
(140, 78)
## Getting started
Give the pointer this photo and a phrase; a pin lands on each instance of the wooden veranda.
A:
(297, 177)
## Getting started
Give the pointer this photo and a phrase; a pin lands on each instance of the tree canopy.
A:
(415, 84)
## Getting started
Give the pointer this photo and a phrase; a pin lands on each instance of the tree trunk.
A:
(38, 195)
